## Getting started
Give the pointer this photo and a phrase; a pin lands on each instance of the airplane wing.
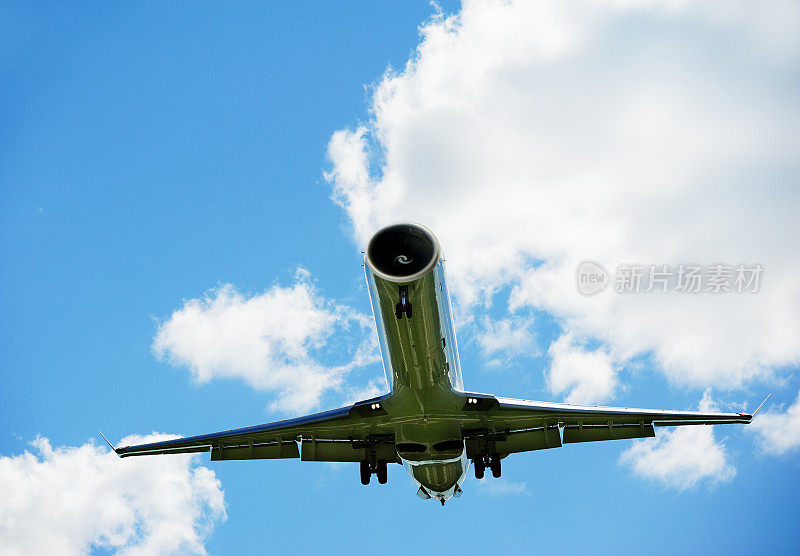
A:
(343, 434)
(508, 425)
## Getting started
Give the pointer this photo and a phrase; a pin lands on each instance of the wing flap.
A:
(271, 450)
(166, 451)
(343, 450)
(593, 433)
(330, 450)
(510, 442)
(529, 440)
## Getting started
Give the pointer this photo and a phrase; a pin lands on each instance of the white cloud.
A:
(587, 376)
(375, 387)
(530, 136)
(502, 487)
(280, 340)
(683, 457)
(505, 338)
(779, 432)
(69, 500)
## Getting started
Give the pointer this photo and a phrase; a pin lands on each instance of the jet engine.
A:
(402, 252)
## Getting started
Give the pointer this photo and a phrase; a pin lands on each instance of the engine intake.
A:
(402, 252)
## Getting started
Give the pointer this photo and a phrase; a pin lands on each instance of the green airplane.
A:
(427, 421)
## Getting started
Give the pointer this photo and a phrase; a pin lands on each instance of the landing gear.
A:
(366, 472)
(482, 462)
(378, 468)
(405, 305)
(380, 471)
(495, 465)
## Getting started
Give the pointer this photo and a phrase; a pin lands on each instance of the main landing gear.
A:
(378, 468)
(492, 462)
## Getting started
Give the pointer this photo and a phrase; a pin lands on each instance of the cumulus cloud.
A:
(375, 387)
(683, 457)
(505, 338)
(531, 136)
(779, 433)
(281, 340)
(72, 499)
(586, 376)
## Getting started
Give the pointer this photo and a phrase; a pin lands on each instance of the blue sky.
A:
(152, 155)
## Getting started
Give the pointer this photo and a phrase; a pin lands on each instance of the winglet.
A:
(107, 442)
(762, 404)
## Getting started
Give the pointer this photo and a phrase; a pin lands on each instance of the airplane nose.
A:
(438, 477)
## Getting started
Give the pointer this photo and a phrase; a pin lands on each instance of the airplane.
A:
(427, 421)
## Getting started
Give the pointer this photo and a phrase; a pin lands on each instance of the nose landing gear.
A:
(405, 305)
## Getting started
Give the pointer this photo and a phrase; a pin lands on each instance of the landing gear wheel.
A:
(380, 471)
(399, 309)
(495, 465)
(365, 472)
(479, 469)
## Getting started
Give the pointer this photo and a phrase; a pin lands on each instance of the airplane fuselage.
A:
(406, 279)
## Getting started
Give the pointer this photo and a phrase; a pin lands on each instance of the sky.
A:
(185, 192)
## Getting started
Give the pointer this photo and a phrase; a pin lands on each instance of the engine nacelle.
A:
(402, 252)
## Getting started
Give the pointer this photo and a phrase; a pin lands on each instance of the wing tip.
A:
(110, 445)
(760, 406)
